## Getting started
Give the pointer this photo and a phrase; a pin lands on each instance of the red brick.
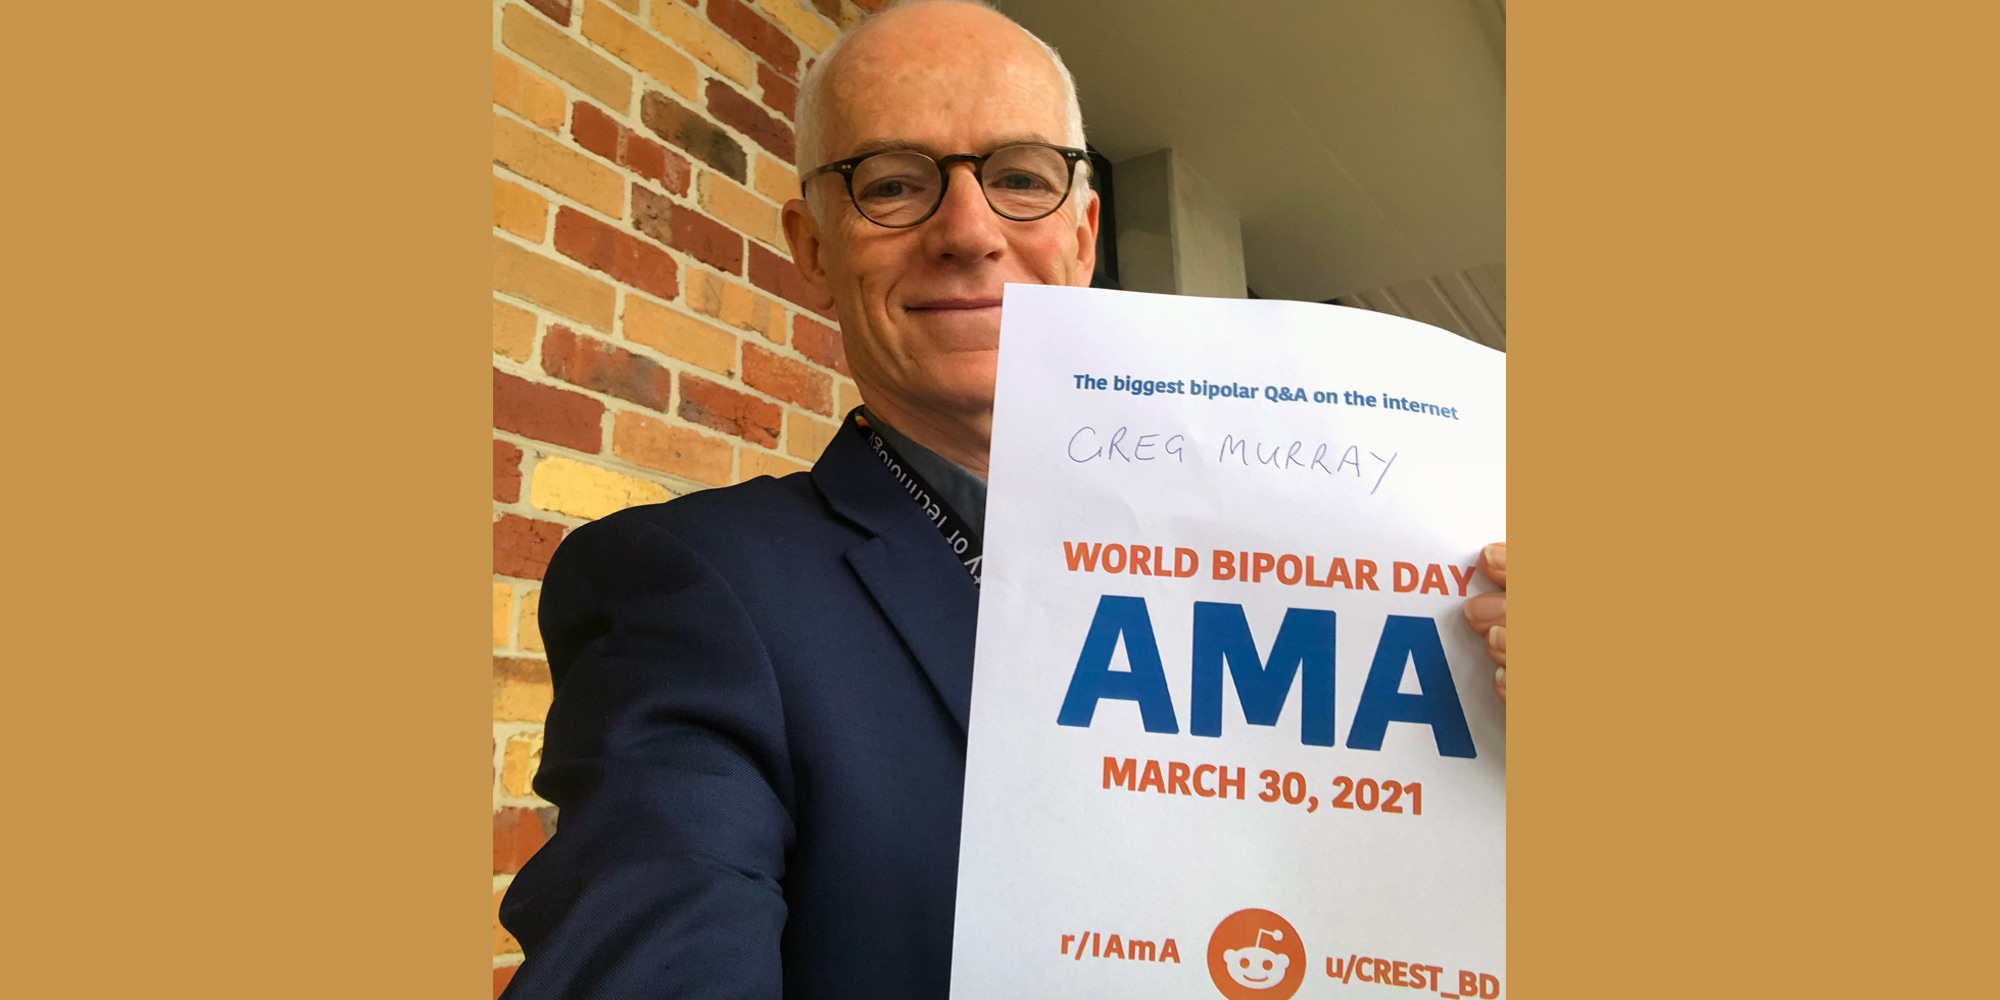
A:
(830, 8)
(594, 364)
(821, 343)
(731, 412)
(652, 161)
(556, 10)
(780, 277)
(619, 254)
(546, 413)
(757, 34)
(594, 130)
(780, 94)
(703, 139)
(501, 977)
(789, 380)
(506, 471)
(598, 132)
(517, 835)
(870, 6)
(522, 547)
(707, 240)
(687, 230)
(744, 115)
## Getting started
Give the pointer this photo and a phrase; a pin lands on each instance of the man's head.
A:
(919, 306)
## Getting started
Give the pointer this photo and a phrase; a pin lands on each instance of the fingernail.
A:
(1486, 608)
(1498, 638)
(1500, 676)
(1496, 555)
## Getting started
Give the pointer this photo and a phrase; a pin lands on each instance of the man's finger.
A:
(1486, 610)
(1496, 650)
(1493, 562)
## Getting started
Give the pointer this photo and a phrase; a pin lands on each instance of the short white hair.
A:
(812, 96)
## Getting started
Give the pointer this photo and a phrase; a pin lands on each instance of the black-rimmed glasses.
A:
(1024, 181)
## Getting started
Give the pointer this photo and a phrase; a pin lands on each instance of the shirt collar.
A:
(965, 492)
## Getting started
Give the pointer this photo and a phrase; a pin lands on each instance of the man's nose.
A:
(965, 226)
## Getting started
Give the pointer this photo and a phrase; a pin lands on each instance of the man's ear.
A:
(1086, 242)
(802, 232)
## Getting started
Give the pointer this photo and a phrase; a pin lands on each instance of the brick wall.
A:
(647, 338)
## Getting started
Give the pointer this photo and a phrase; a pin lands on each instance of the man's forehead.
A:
(1002, 56)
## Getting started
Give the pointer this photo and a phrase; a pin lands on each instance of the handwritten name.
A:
(1125, 444)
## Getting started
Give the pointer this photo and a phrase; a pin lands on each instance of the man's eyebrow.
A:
(886, 145)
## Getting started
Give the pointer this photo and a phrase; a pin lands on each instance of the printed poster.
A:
(1230, 731)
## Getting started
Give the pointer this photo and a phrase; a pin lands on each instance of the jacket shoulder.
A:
(748, 525)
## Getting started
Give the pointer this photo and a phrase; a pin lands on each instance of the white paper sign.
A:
(1230, 731)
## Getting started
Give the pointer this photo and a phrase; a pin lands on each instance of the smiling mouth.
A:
(954, 305)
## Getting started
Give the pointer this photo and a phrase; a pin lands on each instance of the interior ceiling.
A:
(1361, 142)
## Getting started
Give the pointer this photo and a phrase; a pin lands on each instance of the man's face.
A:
(920, 307)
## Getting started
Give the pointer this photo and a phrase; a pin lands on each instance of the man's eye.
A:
(892, 187)
(1020, 181)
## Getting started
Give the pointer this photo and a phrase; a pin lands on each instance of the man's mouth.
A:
(953, 305)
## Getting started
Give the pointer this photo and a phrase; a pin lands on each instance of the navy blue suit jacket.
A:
(757, 746)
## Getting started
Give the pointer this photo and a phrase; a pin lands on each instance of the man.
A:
(757, 743)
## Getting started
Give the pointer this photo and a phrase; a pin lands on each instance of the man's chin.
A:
(957, 330)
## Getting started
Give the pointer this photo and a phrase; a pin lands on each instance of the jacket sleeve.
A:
(664, 753)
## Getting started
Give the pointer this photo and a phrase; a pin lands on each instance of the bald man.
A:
(757, 743)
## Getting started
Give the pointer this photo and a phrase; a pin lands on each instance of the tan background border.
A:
(249, 472)
(248, 475)
(1749, 368)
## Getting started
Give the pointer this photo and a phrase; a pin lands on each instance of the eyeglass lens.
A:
(1021, 182)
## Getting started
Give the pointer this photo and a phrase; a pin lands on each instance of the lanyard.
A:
(958, 533)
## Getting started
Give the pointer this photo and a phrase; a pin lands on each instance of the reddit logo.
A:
(1256, 955)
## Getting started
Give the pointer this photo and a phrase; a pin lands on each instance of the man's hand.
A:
(1488, 613)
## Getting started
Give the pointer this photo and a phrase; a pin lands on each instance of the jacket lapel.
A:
(912, 574)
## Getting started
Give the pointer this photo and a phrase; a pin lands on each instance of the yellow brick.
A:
(503, 614)
(739, 209)
(521, 689)
(707, 43)
(567, 486)
(640, 49)
(518, 766)
(529, 635)
(805, 25)
(681, 451)
(775, 180)
(548, 282)
(503, 942)
(850, 396)
(519, 210)
(805, 437)
(554, 165)
(513, 331)
(850, 15)
(527, 94)
(735, 305)
(678, 335)
(754, 462)
(554, 50)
